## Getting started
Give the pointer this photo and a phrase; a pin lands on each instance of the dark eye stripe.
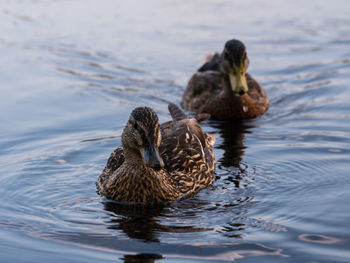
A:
(142, 134)
(140, 131)
(152, 135)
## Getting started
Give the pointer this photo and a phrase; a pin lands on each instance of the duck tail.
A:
(202, 117)
(176, 113)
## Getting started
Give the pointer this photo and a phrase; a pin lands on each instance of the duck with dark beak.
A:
(152, 157)
(158, 163)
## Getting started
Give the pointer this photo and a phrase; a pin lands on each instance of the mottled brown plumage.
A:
(159, 163)
(223, 88)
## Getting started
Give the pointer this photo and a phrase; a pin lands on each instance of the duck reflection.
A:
(142, 258)
(136, 221)
(142, 221)
(232, 134)
(145, 222)
(231, 172)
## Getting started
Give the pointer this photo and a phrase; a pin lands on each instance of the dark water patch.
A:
(320, 239)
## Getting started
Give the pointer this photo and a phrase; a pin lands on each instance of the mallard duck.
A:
(223, 88)
(159, 163)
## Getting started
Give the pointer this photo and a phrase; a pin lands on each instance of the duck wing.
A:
(201, 88)
(257, 93)
(115, 160)
(184, 149)
(211, 62)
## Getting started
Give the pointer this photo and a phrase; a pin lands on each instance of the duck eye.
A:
(226, 55)
(135, 125)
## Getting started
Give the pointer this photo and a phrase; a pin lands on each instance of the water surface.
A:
(72, 71)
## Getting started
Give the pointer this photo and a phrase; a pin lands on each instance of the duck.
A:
(223, 88)
(159, 163)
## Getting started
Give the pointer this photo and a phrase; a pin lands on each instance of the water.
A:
(71, 72)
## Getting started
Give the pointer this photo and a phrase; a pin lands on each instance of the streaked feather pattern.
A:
(188, 158)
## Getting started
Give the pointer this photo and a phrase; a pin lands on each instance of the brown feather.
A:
(188, 158)
(206, 93)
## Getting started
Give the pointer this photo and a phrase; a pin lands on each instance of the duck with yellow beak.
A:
(223, 88)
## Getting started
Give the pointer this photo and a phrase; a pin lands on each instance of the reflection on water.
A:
(320, 239)
(142, 258)
(70, 80)
(140, 221)
(232, 134)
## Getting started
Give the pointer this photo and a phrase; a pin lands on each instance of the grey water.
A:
(71, 72)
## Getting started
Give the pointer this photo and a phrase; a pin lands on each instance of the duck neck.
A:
(227, 85)
(134, 157)
(143, 184)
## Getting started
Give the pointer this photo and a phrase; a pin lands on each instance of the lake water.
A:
(72, 71)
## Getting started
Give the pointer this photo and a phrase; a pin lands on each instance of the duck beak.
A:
(238, 80)
(152, 157)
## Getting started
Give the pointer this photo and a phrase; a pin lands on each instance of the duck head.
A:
(234, 65)
(142, 135)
